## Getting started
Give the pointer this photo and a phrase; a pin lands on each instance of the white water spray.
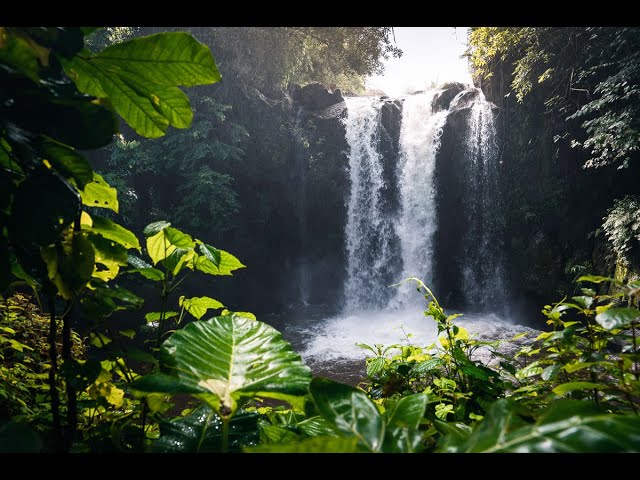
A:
(419, 143)
(368, 231)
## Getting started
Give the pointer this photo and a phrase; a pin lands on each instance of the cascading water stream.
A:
(374, 312)
(419, 142)
(369, 231)
(483, 273)
(386, 244)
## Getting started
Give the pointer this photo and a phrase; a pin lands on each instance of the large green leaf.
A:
(561, 409)
(198, 306)
(142, 105)
(565, 388)
(155, 227)
(317, 426)
(349, 410)
(174, 58)
(454, 432)
(201, 431)
(211, 253)
(141, 77)
(276, 434)
(617, 317)
(564, 431)
(155, 316)
(225, 359)
(180, 258)
(427, 366)
(112, 231)
(403, 419)
(137, 262)
(149, 273)
(596, 279)
(21, 54)
(376, 366)
(584, 301)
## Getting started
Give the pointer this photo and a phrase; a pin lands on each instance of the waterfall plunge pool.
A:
(328, 343)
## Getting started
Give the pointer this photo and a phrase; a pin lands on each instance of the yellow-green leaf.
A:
(98, 193)
(174, 58)
(571, 386)
(228, 263)
(155, 316)
(165, 242)
(198, 306)
(114, 232)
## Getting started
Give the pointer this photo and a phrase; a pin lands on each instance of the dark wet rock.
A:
(442, 100)
(338, 110)
(391, 120)
(315, 96)
(465, 100)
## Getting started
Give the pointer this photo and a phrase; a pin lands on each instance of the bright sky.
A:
(430, 54)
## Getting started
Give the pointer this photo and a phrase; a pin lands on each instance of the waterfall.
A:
(419, 143)
(369, 229)
(428, 208)
(385, 245)
(483, 275)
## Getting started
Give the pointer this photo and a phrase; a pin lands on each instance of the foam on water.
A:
(336, 338)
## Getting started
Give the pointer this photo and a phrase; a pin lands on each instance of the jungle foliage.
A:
(75, 377)
(568, 99)
(591, 76)
(264, 57)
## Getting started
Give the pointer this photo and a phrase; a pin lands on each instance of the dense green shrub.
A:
(24, 359)
(621, 226)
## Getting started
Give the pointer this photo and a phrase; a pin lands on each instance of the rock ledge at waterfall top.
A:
(442, 100)
(465, 99)
(318, 100)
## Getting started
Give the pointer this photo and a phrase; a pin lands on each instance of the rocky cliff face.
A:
(553, 207)
(291, 183)
(468, 244)
(320, 182)
(450, 187)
